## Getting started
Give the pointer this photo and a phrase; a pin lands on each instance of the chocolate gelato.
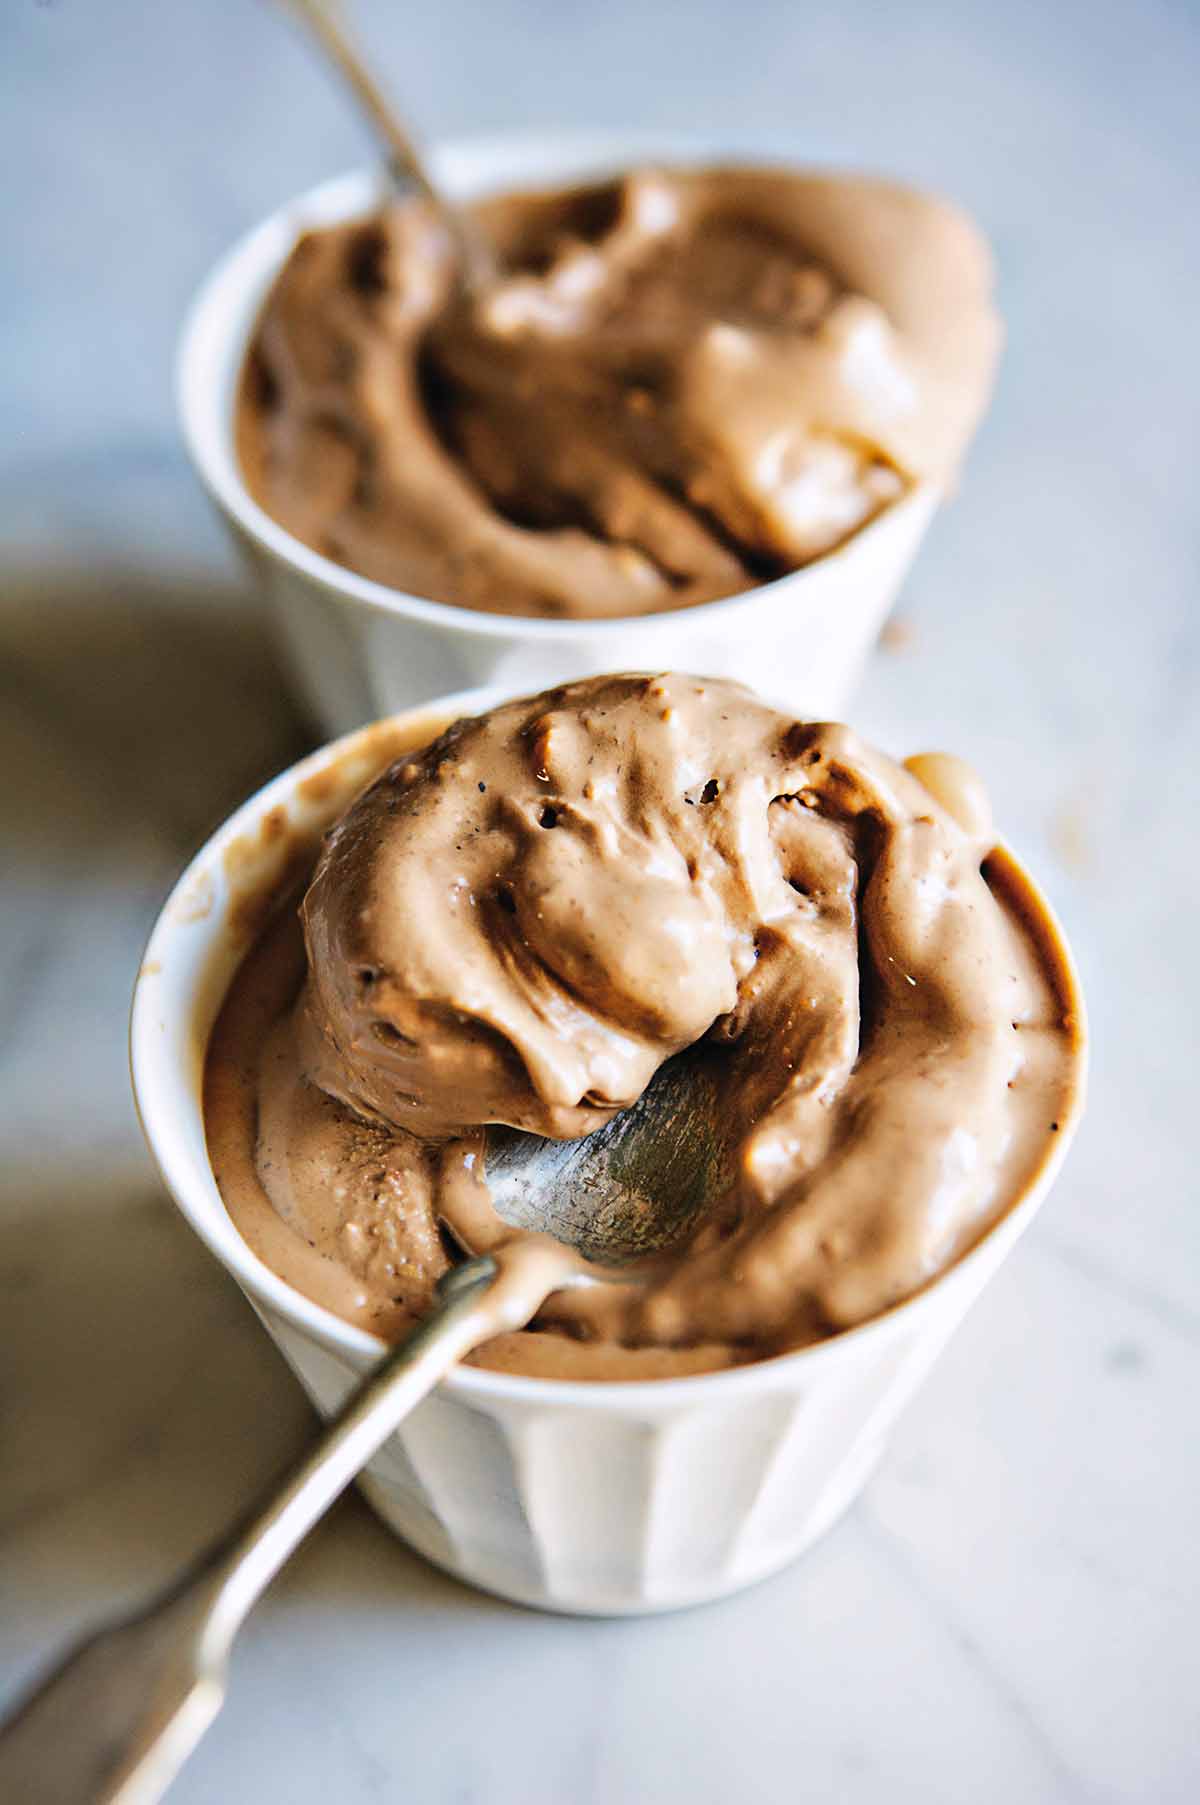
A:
(520, 922)
(685, 383)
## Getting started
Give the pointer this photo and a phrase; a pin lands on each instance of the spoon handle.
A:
(113, 1724)
(406, 166)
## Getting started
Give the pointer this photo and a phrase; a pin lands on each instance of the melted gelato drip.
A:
(685, 383)
(520, 923)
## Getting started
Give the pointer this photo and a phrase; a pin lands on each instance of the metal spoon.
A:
(405, 165)
(113, 1724)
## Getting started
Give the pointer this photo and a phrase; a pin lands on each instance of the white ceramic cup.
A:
(604, 1498)
(359, 649)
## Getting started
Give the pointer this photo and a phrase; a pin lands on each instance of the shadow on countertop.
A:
(141, 1404)
(161, 702)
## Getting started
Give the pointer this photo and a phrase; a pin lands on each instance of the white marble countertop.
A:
(1010, 1612)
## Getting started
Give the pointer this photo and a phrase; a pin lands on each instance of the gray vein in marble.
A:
(940, 1609)
(1052, 1244)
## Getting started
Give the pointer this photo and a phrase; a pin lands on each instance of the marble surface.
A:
(1010, 1611)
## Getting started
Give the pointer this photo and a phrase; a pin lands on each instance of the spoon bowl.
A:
(635, 1187)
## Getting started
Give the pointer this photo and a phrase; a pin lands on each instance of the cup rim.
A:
(221, 317)
(193, 1189)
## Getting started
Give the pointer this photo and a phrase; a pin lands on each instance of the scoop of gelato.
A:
(685, 383)
(521, 922)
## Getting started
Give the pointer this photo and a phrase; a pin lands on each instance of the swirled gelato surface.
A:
(683, 384)
(519, 923)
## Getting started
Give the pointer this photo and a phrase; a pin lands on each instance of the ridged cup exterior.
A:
(358, 650)
(805, 636)
(637, 1506)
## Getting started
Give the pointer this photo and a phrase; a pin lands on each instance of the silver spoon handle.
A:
(405, 164)
(115, 1722)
